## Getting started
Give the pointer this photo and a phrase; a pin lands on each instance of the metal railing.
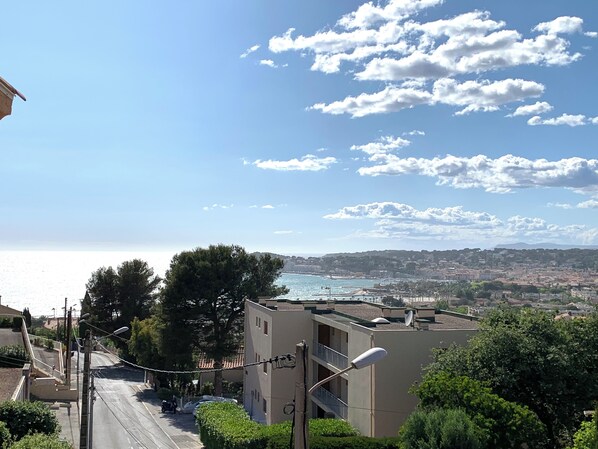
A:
(331, 402)
(331, 356)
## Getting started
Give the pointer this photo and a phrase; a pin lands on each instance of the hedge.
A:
(23, 418)
(41, 441)
(5, 437)
(228, 426)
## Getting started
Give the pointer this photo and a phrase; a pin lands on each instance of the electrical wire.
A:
(119, 421)
(273, 360)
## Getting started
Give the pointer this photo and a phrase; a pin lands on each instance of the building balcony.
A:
(330, 403)
(330, 356)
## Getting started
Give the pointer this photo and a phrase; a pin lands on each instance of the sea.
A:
(42, 280)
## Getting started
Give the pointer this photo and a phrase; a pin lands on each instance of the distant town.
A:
(470, 278)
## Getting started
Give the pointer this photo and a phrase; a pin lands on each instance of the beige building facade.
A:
(375, 400)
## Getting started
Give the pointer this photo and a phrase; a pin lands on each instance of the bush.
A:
(166, 394)
(13, 356)
(226, 425)
(5, 437)
(24, 418)
(41, 441)
(441, 429)
(587, 435)
(321, 442)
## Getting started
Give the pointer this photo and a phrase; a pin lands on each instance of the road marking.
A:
(159, 426)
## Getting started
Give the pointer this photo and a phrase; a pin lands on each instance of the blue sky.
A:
(299, 126)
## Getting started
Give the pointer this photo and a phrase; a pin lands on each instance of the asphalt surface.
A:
(10, 338)
(127, 412)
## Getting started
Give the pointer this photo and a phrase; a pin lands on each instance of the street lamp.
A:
(86, 433)
(367, 358)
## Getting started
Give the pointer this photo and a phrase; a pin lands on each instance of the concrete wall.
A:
(409, 352)
(276, 386)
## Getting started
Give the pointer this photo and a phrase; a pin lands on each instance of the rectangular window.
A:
(265, 327)
(265, 365)
(258, 396)
(265, 406)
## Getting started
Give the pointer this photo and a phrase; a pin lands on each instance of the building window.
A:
(258, 396)
(258, 321)
(265, 327)
(265, 365)
(265, 405)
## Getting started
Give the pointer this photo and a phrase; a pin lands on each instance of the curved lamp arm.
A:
(368, 358)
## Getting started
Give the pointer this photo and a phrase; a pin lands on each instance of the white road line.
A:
(159, 426)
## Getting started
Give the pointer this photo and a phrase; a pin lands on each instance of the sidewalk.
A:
(67, 414)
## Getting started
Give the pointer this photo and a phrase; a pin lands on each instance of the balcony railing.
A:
(331, 356)
(331, 402)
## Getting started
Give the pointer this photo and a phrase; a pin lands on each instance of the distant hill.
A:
(543, 246)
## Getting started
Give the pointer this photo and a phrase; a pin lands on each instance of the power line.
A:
(279, 360)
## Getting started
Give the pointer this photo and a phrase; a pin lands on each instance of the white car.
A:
(190, 406)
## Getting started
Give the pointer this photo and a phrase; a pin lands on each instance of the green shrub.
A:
(13, 356)
(225, 425)
(321, 442)
(441, 429)
(587, 435)
(50, 344)
(207, 388)
(166, 393)
(5, 437)
(228, 426)
(41, 441)
(23, 418)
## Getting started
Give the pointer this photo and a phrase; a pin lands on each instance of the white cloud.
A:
(589, 204)
(384, 145)
(369, 14)
(494, 175)
(267, 206)
(308, 162)
(269, 63)
(401, 221)
(398, 211)
(249, 51)
(561, 25)
(565, 119)
(394, 48)
(540, 107)
(218, 206)
(481, 95)
(414, 132)
(594, 120)
(561, 205)
(592, 34)
(284, 232)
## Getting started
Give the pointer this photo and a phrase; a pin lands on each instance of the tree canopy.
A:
(202, 304)
(115, 297)
(528, 357)
(505, 424)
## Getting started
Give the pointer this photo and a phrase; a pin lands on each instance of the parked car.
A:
(190, 406)
(210, 399)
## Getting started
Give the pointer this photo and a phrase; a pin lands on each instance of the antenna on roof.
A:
(409, 318)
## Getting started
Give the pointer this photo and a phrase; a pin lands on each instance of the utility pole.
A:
(301, 423)
(92, 398)
(64, 323)
(85, 396)
(67, 360)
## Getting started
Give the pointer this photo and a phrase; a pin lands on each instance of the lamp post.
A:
(85, 436)
(367, 358)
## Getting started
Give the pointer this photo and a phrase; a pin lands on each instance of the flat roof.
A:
(363, 312)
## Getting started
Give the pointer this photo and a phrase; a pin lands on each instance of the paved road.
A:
(127, 414)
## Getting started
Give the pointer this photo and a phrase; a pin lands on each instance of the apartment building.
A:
(375, 400)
